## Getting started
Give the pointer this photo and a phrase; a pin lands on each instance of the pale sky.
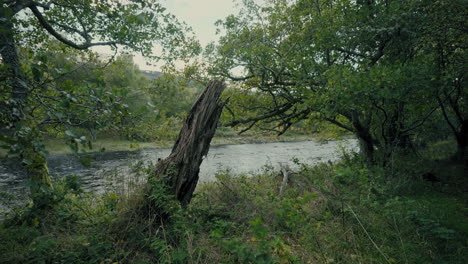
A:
(200, 15)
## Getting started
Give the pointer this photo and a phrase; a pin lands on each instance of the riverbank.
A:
(59, 146)
(346, 212)
(100, 172)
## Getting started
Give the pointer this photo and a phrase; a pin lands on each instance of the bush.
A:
(347, 212)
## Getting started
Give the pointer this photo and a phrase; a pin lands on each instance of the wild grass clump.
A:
(347, 212)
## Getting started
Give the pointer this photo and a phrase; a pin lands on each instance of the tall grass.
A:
(330, 213)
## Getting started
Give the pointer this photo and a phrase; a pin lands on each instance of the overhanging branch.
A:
(47, 26)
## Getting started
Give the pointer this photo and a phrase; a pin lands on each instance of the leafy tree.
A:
(445, 40)
(358, 64)
(263, 41)
(134, 25)
(123, 79)
(76, 95)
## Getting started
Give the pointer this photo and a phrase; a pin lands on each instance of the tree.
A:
(78, 95)
(135, 25)
(264, 42)
(445, 37)
(357, 63)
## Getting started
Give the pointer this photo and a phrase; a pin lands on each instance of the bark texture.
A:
(14, 74)
(40, 181)
(180, 170)
(462, 142)
(13, 113)
(362, 131)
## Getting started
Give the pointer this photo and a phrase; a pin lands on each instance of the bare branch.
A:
(249, 127)
(334, 121)
(421, 121)
(237, 79)
(273, 113)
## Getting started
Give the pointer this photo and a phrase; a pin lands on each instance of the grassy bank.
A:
(59, 146)
(223, 136)
(331, 213)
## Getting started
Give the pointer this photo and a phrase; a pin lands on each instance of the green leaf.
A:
(69, 133)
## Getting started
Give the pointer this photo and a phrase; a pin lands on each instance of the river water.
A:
(107, 171)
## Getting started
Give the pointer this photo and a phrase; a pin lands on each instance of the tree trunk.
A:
(366, 142)
(15, 75)
(462, 142)
(38, 175)
(366, 146)
(395, 138)
(14, 116)
(180, 170)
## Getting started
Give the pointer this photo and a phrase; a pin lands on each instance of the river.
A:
(107, 171)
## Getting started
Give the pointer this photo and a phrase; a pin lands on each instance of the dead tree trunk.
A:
(180, 170)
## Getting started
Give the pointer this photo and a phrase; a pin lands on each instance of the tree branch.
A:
(380, 52)
(444, 112)
(44, 23)
(273, 113)
(333, 121)
(421, 121)
(66, 27)
(236, 79)
(349, 52)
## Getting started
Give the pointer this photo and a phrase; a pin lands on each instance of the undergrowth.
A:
(330, 213)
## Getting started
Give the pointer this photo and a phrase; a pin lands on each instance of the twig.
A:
(370, 238)
(401, 240)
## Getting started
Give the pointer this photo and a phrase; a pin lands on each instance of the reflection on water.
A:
(111, 169)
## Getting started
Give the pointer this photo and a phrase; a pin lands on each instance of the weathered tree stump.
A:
(180, 170)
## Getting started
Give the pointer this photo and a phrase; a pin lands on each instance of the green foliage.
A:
(260, 248)
(53, 88)
(157, 107)
(56, 87)
(374, 68)
(81, 100)
(385, 70)
(135, 25)
(347, 212)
